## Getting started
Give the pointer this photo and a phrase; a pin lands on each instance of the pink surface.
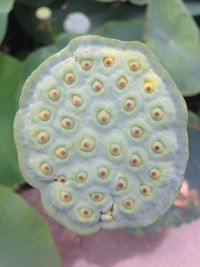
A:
(178, 247)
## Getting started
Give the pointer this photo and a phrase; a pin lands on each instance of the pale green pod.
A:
(101, 132)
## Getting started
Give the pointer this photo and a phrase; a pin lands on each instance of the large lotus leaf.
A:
(25, 238)
(5, 8)
(124, 30)
(136, 2)
(173, 35)
(35, 2)
(101, 131)
(10, 76)
(179, 215)
(193, 7)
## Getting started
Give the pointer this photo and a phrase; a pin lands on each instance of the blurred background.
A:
(32, 30)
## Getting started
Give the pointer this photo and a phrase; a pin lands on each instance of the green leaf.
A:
(10, 76)
(5, 8)
(139, 2)
(177, 216)
(125, 30)
(173, 35)
(25, 238)
(35, 2)
(193, 7)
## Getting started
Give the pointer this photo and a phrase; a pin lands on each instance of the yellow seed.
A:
(69, 77)
(145, 190)
(86, 64)
(65, 196)
(54, 95)
(44, 115)
(149, 87)
(88, 144)
(103, 117)
(157, 114)
(137, 132)
(134, 65)
(135, 160)
(46, 168)
(154, 173)
(129, 104)
(96, 86)
(85, 213)
(61, 152)
(128, 203)
(77, 100)
(67, 123)
(97, 197)
(122, 82)
(42, 137)
(108, 61)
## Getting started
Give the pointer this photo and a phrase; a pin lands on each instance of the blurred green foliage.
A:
(169, 27)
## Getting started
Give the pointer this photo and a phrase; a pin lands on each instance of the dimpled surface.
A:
(101, 132)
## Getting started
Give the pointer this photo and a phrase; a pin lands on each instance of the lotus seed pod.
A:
(101, 132)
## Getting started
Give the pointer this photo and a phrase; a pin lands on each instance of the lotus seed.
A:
(122, 82)
(96, 86)
(85, 213)
(145, 190)
(86, 64)
(42, 137)
(67, 123)
(44, 115)
(69, 78)
(134, 65)
(128, 203)
(103, 117)
(148, 87)
(54, 95)
(108, 61)
(77, 100)
(137, 132)
(103, 172)
(121, 185)
(135, 160)
(81, 176)
(65, 196)
(61, 179)
(88, 144)
(157, 114)
(154, 173)
(129, 104)
(61, 152)
(97, 197)
(157, 147)
(46, 168)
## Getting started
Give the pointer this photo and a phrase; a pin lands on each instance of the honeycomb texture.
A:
(101, 132)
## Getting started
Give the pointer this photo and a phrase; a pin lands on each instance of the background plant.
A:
(170, 28)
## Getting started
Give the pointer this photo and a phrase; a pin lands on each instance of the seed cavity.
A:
(134, 65)
(128, 203)
(46, 168)
(145, 190)
(149, 87)
(129, 104)
(54, 95)
(115, 149)
(88, 144)
(136, 131)
(65, 196)
(135, 160)
(103, 172)
(108, 61)
(86, 64)
(154, 174)
(69, 78)
(121, 184)
(103, 117)
(61, 179)
(61, 152)
(42, 137)
(77, 100)
(157, 147)
(67, 123)
(97, 197)
(157, 114)
(81, 176)
(121, 83)
(85, 213)
(96, 86)
(44, 115)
